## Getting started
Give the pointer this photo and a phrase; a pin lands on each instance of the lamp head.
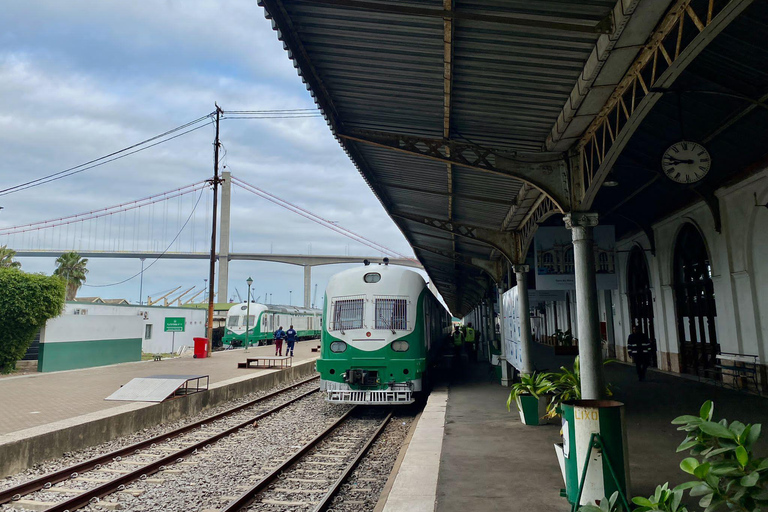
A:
(249, 281)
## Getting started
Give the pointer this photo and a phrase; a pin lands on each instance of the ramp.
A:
(158, 388)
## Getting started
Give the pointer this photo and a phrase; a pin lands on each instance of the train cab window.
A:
(251, 320)
(372, 277)
(347, 314)
(233, 321)
(391, 313)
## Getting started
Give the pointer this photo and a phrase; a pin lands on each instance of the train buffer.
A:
(270, 362)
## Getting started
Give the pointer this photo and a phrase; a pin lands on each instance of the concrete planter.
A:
(532, 410)
(566, 351)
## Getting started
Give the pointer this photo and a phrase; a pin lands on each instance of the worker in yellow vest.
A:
(458, 342)
(470, 342)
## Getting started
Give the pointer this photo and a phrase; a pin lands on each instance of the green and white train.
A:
(382, 331)
(265, 319)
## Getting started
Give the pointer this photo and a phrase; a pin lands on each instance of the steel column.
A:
(590, 348)
(526, 339)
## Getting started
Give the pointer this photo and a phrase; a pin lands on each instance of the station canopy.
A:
(475, 121)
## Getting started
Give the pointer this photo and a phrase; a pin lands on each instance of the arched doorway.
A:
(640, 298)
(695, 305)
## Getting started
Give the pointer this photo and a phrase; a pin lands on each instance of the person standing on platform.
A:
(639, 349)
(458, 342)
(279, 337)
(469, 342)
(290, 338)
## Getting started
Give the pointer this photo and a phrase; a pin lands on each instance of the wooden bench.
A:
(738, 366)
(267, 362)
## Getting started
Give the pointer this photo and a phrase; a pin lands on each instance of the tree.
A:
(27, 301)
(71, 267)
(6, 258)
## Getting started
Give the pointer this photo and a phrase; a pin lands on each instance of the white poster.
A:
(511, 329)
(554, 258)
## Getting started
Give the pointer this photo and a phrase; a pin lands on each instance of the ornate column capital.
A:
(580, 220)
(521, 269)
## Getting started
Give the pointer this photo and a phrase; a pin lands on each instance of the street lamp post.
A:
(290, 297)
(248, 312)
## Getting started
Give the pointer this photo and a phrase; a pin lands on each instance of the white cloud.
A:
(81, 79)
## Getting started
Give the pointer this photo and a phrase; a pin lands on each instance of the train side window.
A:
(347, 314)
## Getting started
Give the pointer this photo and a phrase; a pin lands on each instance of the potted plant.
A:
(565, 343)
(567, 386)
(532, 395)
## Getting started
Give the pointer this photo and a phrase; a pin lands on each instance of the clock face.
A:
(686, 162)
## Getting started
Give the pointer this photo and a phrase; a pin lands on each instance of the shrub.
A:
(27, 301)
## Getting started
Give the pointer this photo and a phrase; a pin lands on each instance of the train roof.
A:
(276, 308)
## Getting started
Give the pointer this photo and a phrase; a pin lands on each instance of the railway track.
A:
(172, 446)
(311, 477)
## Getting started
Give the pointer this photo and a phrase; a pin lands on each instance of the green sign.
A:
(175, 324)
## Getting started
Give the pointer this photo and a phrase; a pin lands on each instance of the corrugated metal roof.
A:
(384, 71)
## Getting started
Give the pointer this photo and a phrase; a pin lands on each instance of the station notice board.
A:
(175, 324)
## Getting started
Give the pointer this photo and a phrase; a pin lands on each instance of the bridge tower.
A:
(224, 228)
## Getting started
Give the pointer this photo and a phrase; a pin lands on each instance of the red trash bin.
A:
(201, 348)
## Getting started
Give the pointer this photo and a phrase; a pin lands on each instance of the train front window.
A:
(234, 321)
(391, 313)
(347, 314)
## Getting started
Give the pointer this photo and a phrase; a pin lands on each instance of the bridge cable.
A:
(161, 254)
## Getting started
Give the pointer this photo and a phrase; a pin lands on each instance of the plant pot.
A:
(566, 351)
(532, 410)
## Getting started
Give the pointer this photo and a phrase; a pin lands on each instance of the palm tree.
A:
(6, 258)
(71, 267)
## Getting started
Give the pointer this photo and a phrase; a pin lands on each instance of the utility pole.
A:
(212, 269)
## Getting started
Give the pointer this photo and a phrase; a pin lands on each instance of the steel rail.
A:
(247, 497)
(96, 462)
(336, 487)
(92, 495)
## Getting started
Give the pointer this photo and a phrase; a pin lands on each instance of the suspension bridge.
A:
(175, 225)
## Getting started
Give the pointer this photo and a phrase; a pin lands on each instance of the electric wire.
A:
(87, 165)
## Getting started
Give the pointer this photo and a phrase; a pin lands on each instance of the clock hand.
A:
(676, 161)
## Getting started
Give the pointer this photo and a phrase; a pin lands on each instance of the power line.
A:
(102, 160)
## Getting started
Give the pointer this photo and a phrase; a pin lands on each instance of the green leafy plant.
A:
(27, 301)
(7, 258)
(564, 338)
(728, 475)
(535, 384)
(664, 500)
(606, 505)
(567, 386)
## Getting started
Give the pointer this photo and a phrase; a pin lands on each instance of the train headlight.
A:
(400, 346)
(338, 346)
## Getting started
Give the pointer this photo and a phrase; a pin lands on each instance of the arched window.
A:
(602, 261)
(568, 257)
(695, 305)
(640, 297)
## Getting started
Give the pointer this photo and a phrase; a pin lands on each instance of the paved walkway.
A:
(41, 398)
(491, 462)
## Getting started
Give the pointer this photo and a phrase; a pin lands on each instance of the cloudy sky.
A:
(79, 80)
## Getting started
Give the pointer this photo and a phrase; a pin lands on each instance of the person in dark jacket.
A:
(639, 348)
(290, 340)
(279, 337)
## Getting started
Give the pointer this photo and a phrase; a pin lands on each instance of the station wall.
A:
(88, 335)
(80, 341)
(739, 271)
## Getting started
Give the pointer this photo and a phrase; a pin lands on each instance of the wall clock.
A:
(686, 162)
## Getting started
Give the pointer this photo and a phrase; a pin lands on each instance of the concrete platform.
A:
(490, 461)
(46, 414)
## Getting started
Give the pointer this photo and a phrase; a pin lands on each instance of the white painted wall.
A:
(739, 258)
(69, 327)
(159, 341)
